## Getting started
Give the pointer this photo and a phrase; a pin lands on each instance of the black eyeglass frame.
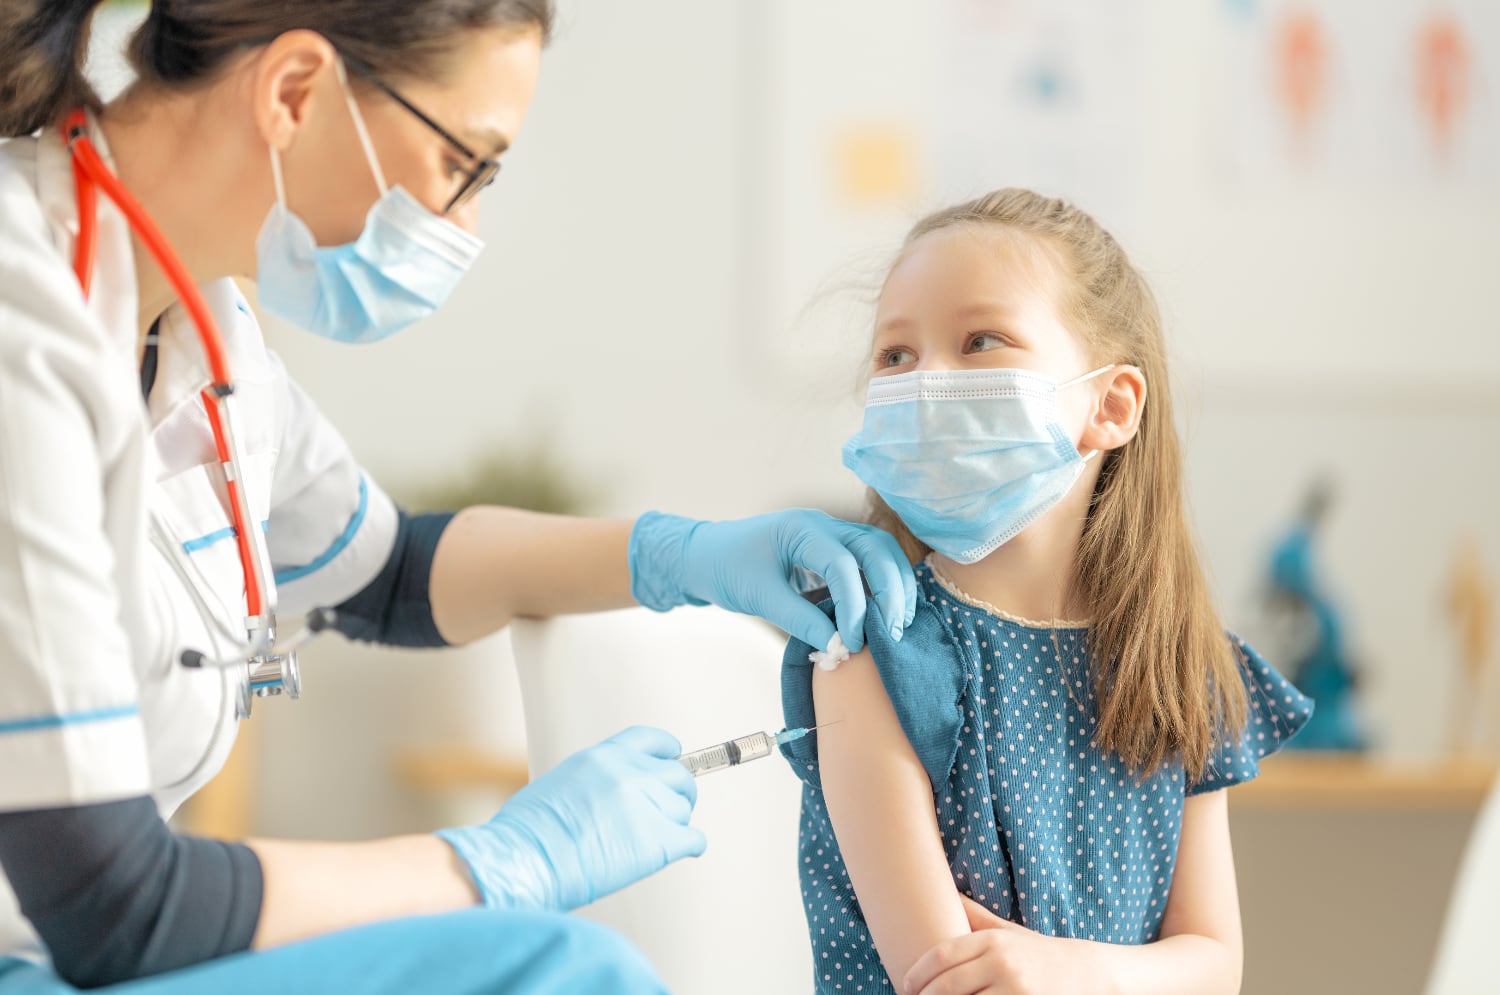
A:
(479, 176)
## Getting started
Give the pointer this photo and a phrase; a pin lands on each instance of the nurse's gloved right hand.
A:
(602, 819)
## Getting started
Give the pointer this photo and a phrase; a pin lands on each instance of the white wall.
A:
(601, 304)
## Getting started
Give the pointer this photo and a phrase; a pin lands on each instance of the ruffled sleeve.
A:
(924, 675)
(1277, 710)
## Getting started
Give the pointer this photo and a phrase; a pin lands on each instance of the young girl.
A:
(1025, 794)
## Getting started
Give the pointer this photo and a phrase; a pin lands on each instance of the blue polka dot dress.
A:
(1039, 825)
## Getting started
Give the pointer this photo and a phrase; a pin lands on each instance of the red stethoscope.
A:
(271, 668)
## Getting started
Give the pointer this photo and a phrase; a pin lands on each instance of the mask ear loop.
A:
(1081, 379)
(359, 126)
(276, 176)
(1087, 376)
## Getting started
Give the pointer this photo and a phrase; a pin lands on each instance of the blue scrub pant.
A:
(474, 952)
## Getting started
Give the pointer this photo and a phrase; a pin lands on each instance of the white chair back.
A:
(731, 921)
(1466, 956)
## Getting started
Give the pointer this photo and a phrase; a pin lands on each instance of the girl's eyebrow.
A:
(986, 309)
(976, 309)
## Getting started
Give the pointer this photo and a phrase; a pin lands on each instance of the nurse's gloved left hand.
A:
(602, 819)
(746, 566)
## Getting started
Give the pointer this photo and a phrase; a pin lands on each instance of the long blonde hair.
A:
(1166, 679)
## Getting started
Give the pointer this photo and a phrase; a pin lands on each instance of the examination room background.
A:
(668, 314)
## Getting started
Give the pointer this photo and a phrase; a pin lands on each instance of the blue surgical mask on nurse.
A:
(402, 267)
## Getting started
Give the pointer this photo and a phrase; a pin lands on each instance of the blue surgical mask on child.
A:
(966, 458)
(401, 268)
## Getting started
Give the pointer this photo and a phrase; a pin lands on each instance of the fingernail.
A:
(896, 632)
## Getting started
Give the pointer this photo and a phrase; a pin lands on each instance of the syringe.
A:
(739, 750)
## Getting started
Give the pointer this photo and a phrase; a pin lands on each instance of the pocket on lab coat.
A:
(195, 505)
(190, 713)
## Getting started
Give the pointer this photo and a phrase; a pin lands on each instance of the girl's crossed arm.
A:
(1199, 952)
(934, 942)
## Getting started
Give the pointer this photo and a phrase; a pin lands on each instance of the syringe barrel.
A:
(754, 746)
(728, 754)
(706, 760)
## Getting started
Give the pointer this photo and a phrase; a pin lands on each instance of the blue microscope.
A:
(1319, 665)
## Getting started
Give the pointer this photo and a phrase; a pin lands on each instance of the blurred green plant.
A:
(532, 479)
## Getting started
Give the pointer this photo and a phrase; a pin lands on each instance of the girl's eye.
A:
(985, 341)
(893, 357)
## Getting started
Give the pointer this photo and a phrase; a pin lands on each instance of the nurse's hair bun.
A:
(187, 42)
(43, 45)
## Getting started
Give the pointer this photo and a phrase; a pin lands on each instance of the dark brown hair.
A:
(1167, 680)
(43, 43)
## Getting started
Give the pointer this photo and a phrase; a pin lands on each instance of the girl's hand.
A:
(1002, 958)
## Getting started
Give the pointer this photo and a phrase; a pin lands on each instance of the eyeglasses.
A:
(476, 177)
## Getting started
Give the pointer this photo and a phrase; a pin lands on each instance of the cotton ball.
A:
(835, 654)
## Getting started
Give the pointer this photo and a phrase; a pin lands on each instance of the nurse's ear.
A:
(288, 79)
(1116, 414)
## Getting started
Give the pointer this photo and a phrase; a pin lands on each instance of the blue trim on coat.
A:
(227, 532)
(68, 719)
(328, 555)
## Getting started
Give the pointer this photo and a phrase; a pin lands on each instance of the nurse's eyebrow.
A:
(487, 137)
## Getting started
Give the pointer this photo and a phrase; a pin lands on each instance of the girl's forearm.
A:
(1185, 964)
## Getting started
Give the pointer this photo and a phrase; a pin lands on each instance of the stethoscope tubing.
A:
(91, 174)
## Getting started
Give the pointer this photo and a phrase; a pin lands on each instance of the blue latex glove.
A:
(746, 566)
(602, 819)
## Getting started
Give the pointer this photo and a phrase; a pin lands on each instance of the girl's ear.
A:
(1116, 416)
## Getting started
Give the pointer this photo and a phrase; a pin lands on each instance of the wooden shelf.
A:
(454, 768)
(1286, 781)
(1340, 781)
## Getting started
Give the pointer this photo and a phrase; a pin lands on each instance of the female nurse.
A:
(331, 150)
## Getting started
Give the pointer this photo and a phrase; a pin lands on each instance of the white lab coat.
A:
(116, 548)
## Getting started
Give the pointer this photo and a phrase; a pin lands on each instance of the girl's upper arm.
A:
(879, 800)
(1204, 900)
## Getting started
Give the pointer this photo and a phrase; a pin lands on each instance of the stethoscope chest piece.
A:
(270, 670)
(269, 674)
